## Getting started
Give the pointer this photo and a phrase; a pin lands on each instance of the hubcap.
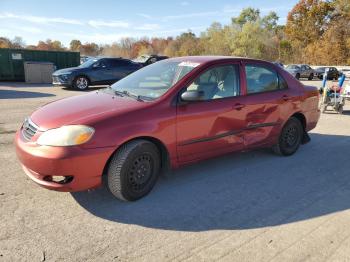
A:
(82, 83)
(291, 136)
(140, 172)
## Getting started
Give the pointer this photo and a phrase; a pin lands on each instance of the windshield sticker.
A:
(189, 64)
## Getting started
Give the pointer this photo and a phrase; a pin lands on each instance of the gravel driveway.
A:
(252, 206)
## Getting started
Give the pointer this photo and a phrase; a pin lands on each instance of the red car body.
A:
(184, 132)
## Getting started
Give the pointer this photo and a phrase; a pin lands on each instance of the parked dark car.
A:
(279, 64)
(332, 73)
(149, 59)
(96, 71)
(165, 115)
(301, 71)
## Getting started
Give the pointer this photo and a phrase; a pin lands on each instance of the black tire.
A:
(311, 76)
(290, 138)
(340, 109)
(133, 170)
(297, 76)
(81, 83)
(324, 108)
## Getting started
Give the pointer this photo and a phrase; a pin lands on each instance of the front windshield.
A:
(293, 67)
(88, 63)
(154, 80)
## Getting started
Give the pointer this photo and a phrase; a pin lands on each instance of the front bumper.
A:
(85, 166)
(59, 81)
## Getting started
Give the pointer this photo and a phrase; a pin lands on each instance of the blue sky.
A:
(106, 21)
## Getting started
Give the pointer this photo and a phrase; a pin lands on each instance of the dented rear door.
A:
(268, 103)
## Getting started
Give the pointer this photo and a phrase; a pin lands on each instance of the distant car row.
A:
(100, 71)
(305, 71)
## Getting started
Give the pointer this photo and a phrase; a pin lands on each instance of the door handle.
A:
(238, 106)
(286, 98)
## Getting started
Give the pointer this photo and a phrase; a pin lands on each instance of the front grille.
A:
(29, 129)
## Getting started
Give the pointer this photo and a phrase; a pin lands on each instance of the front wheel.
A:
(81, 83)
(311, 76)
(290, 137)
(297, 76)
(133, 170)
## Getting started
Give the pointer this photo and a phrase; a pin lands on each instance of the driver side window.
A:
(100, 64)
(218, 82)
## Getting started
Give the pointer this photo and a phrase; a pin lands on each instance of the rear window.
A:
(262, 79)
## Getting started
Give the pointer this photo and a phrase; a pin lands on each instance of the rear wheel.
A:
(133, 170)
(297, 76)
(311, 76)
(81, 83)
(290, 137)
(339, 109)
(324, 108)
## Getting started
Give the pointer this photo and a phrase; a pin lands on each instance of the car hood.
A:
(292, 70)
(66, 70)
(82, 109)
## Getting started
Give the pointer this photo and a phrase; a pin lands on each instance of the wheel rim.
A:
(140, 172)
(82, 83)
(291, 136)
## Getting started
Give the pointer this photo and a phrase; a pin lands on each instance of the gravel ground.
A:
(252, 206)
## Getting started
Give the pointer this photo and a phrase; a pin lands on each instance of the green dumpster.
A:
(12, 61)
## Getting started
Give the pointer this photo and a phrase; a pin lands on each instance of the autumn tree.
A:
(75, 45)
(50, 45)
(215, 40)
(5, 42)
(306, 24)
(16, 43)
(90, 49)
(247, 15)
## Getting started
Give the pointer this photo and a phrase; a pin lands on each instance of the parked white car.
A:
(346, 72)
(346, 92)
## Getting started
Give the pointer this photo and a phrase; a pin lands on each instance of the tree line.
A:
(316, 32)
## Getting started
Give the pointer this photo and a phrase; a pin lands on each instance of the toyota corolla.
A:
(171, 113)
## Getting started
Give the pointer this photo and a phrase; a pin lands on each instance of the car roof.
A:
(207, 59)
(108, 57)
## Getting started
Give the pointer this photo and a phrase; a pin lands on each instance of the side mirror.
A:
(192, 95)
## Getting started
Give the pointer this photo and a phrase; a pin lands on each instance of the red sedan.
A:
(171, 113)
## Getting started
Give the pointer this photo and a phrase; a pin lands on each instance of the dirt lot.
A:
(254, 206)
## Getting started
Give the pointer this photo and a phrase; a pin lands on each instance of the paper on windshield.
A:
(189, 64)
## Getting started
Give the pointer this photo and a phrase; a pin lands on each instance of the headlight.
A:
(64, 77)
(66, 136)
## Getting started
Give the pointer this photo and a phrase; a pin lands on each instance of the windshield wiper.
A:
(140, 98)
(118, 93)
(137, 97)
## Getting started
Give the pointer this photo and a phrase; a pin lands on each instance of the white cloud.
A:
(28, 29)
(190, 15)
(114, 24)
(145, 16)
(148, 27)
(182, 30)
(40, 19)
(98, 38)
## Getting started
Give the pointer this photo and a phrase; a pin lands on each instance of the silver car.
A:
(301, 71)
